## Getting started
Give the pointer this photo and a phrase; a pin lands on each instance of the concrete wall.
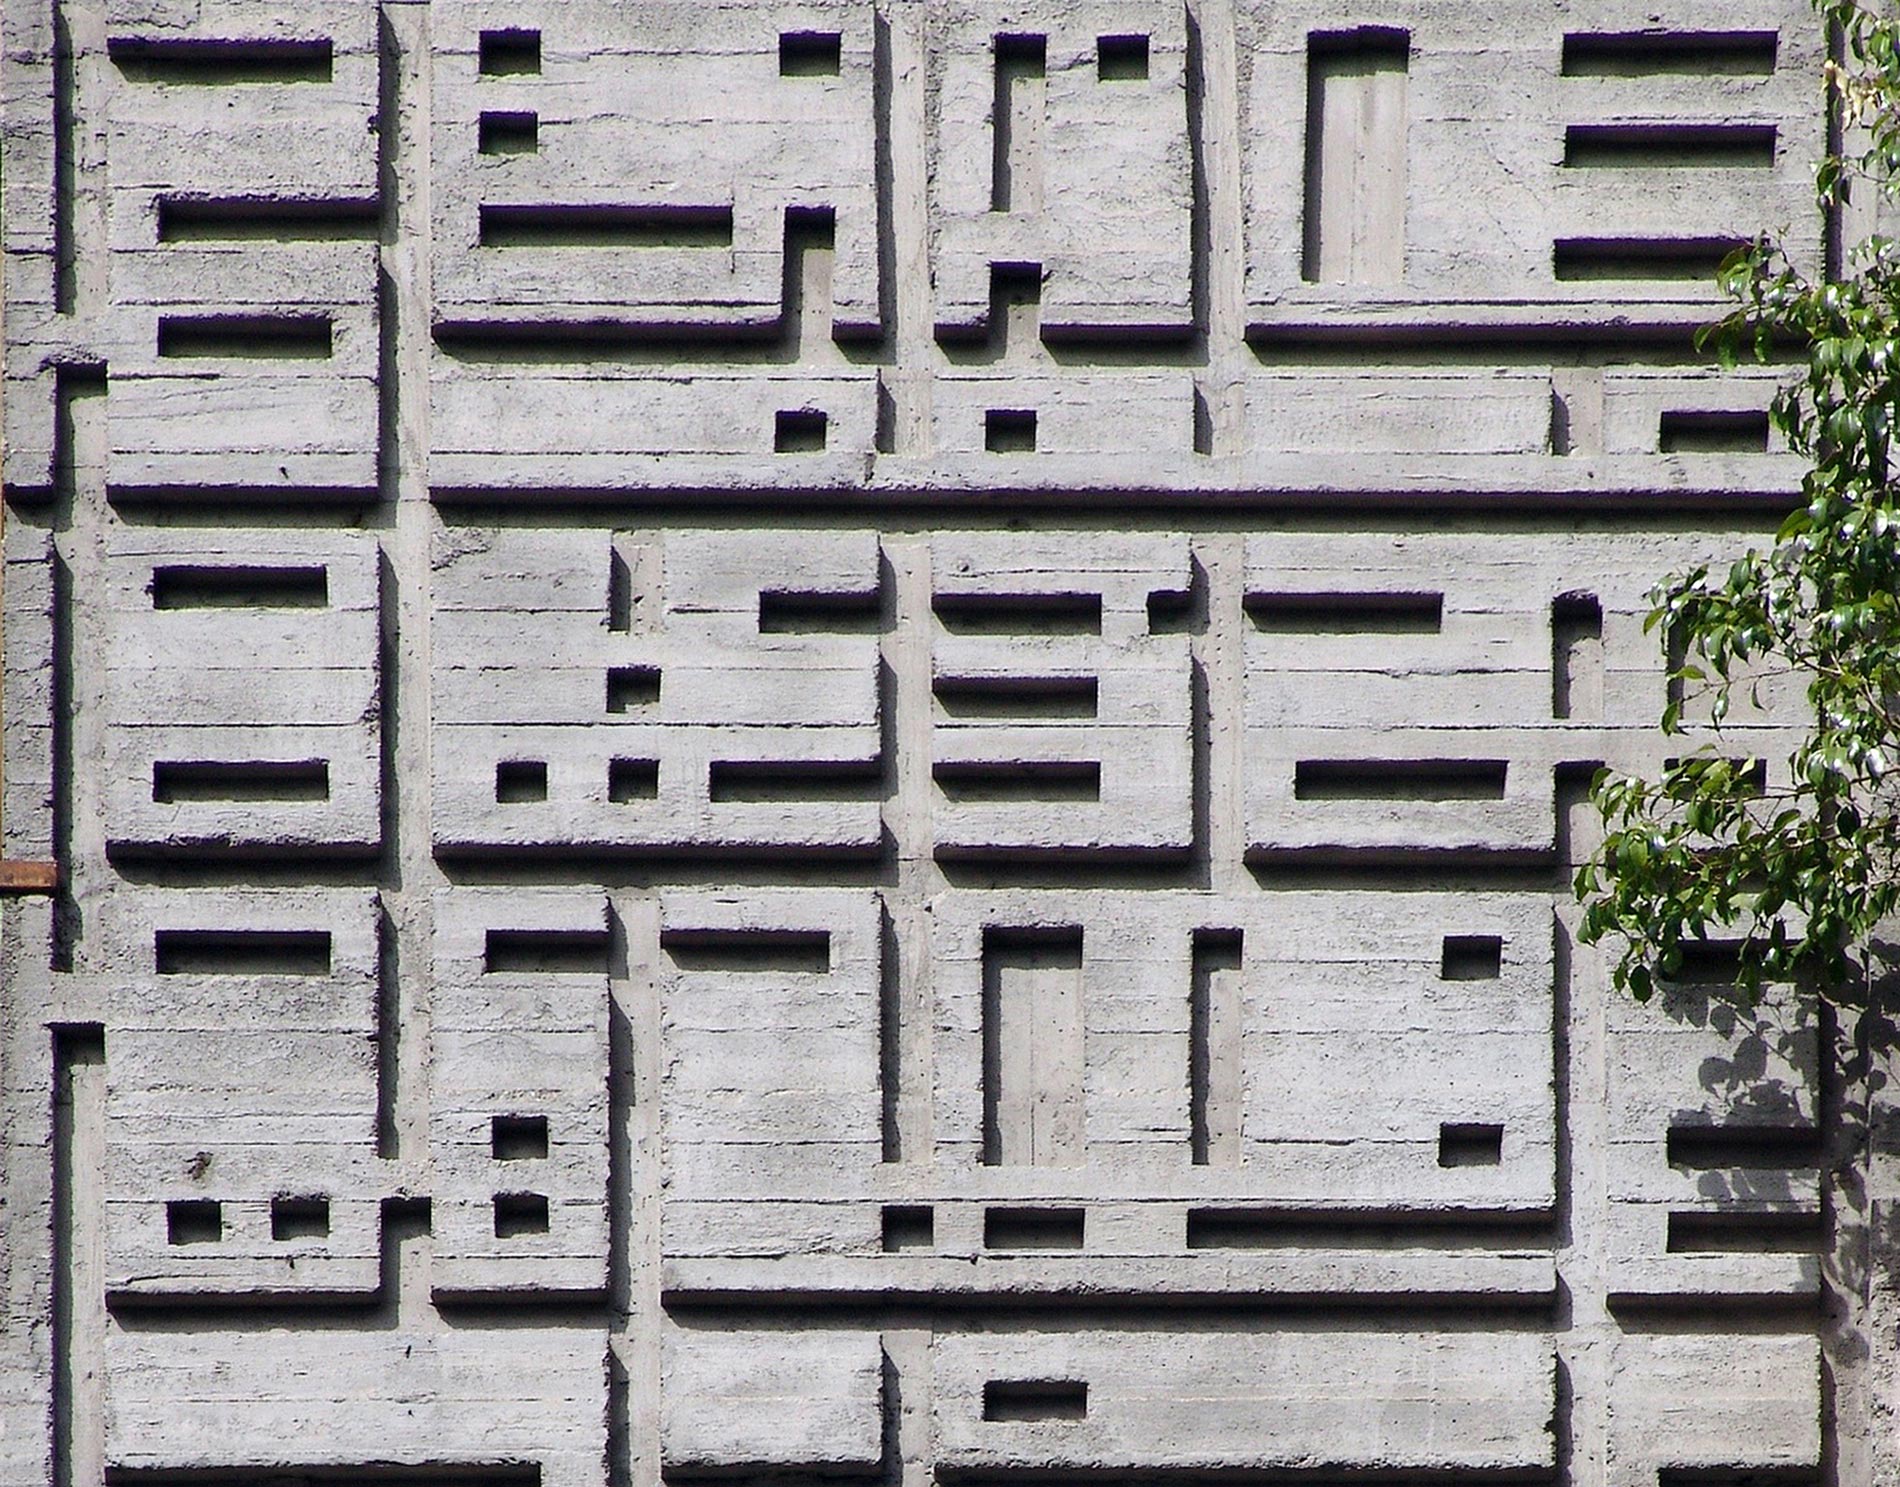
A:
(842, 739)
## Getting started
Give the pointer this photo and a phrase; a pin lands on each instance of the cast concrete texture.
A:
(841, 739)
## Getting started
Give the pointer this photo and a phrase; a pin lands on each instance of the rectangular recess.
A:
(629, 780)
(1019, 780)
(214, 61)
(737, 780)
(198, 219)
(521, 781)
(1019, 614)
(630, 687)
(1471, 958)
(750, 951)
(1654, 53)
(1270, 1228)
(1020, 63)
(1034, 1228)
(176, 782)
(306, 1217)
(1399, 779)
(1018, 696)
(810, 53)
(909, 1226)
(1739, 431)
(1640, 259)
(1216, 1074)
(508, 225)
(569, 952)
(518, 1215)
(221, 586)
(242, 952)
(1708, 1147)
(1707, 963)
(518, 1138)
(1470, 1144)
(1576, 656)
(194, 1221)
(1372, 613)
(1122, 59)
(1670, 146)
(816, 612)
(1716, 1232)
(1035, 1399)
(1034, 1053)
(510, 52)
(245, 337)
(1355, 196)
(507, 132)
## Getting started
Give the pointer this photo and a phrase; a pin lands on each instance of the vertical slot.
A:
(1032, 1047)
(1017, 120)
(633, 585)
(1355, 157)
(1576, 657)
(79, 1056)
(1214, 1079)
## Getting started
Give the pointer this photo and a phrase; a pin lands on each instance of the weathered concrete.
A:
(844, 738)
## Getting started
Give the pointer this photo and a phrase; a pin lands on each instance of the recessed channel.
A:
(189, 586)
(192, 61)
(1019, 614)
(574, 952)
(1747, 1232)
(1035, 1399)
(242, 952)
(1019, 780)
(798, 951)
(1033, 1228)
(1373, 613)
(245, 337)
(601, 226)
(1399, 779)
(176, 782)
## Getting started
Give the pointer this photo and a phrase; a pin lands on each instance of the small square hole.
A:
(194, 1221)
(1009, 431)
(629, 780)
(1121, 59)
(799, 431)
(510, 53)
(629, 687)
(299, 1218)
(518, 780)
(518, 1138)
(810, 53)
(908, 1227)
(520, 1213)
(1470, 1145)
(1471, 958)
(509, 134)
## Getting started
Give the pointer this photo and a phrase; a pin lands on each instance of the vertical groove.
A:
(78, 1257)
(65, 123)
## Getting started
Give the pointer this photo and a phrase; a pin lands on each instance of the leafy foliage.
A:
(1804, 870)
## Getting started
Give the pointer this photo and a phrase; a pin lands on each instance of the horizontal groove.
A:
(1265, 1228)
(177, 782)
(582, 226)
(1700, 1232)
(229, 586)
(1018, 696)
(242, 952)
(213, 61)
(1652, 53)
(1035, 1399)
(1778, 1147)
(1019, 614)
(738, 780)
(1308, 613)
(195, 219)
(247, 337)
(1020, 780)
(798, 951)
(790, 612)
(578, 952)
(1399, 779)
(1672, 259)
(1733, 432)
(1669, 146)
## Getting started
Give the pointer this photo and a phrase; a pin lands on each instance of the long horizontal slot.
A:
(1718, 1233)
(1738, 1476)
(1399, 779)
(242, 952)
(1329, 613)
(188, 219)
(1270, 1229)
(573, 952)
(1035, 1399)
(1744, 432)
(1584, 259)
(212, 61)
(1020, 614)
(192, 586)
(1653, 53)
(799, 951)
(1034, 1228)
(507, 226)
(1670, 146)
(180, 781)
(247, 337)
(740, 780)
(789, 612)
(1772, 1147)
(1020, 780)
(1018, 696)
(1707, 963)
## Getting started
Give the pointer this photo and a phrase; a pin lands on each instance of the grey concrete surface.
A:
(796, 741)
